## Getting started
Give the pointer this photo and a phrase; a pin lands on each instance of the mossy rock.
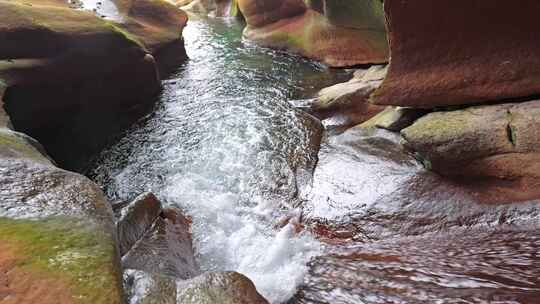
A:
(43, 255)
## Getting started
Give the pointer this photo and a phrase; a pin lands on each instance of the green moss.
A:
(130, 37)
(11, 141)
(69, 250)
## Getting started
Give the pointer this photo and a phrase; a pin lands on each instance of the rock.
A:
(293, 26)
(350, 99)
(454, 53)
(219, 287)
(142, 287)
(57, 87)
(158, 24)
(165, 249)
(485, 141)
(4, 118)
(136, 220)
(57, 238)
(214, 8)
(394, 118)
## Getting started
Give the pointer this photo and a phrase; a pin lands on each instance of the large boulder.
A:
(460, 52)
(57, 238)
(325, 36)
(67, 69)
(501, 142)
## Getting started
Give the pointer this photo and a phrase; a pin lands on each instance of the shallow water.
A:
(225, 145)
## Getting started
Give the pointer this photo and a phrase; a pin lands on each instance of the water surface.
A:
(225, 145)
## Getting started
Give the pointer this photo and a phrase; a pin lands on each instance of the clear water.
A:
(225, 145)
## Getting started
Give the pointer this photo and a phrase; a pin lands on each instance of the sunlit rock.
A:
(326, 36)
(454, 52)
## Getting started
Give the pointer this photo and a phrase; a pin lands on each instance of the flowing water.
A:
(225, 145)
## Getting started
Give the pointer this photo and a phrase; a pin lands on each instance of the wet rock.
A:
(158, 25)
(52, 59)
(165, 249)
(293, 26)
(219, 287)
(350, 99)
(394, 118)
(447, 53)
(57, 238)
(4, 118)
(486, 142)
(142, 287)
(214, 8)
(136, 219)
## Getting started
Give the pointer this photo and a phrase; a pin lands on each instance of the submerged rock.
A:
(324, 36)
(350, 99)
(454, 53)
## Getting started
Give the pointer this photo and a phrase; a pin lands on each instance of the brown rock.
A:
(457, 52)
(136, 220)
(350, 99)
(292, 26)
(165, 249)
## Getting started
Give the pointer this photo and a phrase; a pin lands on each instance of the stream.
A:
(225, 144)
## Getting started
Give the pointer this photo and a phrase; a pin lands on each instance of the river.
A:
(225, 145)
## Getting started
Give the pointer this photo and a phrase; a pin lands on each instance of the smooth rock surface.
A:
(394, 118)
(460, 52)
(52, 60)
(350, 99)
(219, 287)
(57, 238)
(213, 8)
(496, 141)
(293, 26)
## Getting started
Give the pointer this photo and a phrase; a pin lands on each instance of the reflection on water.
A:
(225, 145)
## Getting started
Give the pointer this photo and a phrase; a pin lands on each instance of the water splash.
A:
(226, 146)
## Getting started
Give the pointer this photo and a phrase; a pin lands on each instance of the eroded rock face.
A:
(57, 238)
(455, 53)
(325, 36)
(213, 8)
(496, 141)
(350, 100)
(66, 69)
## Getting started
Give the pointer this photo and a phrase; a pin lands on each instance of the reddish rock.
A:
(291, 25)
(451, 52)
